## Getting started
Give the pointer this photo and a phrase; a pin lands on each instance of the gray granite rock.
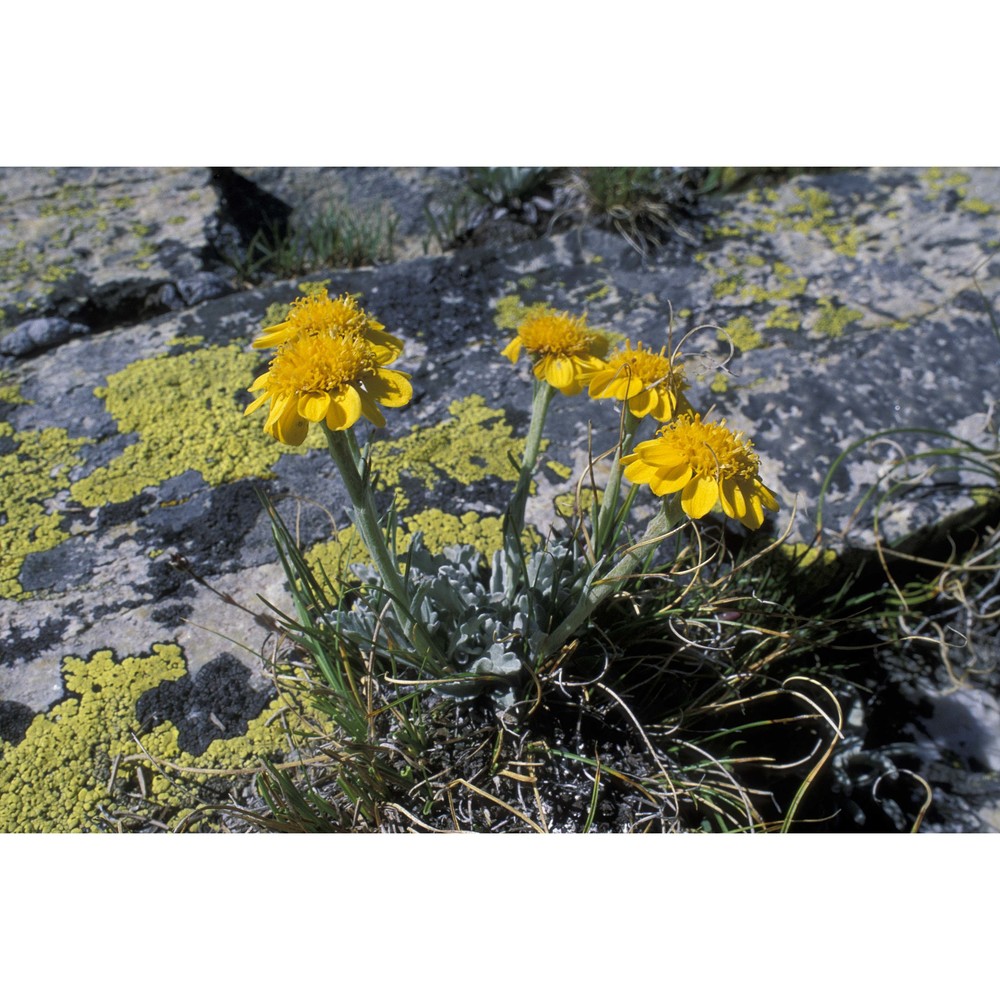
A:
(93, 243)
(40, 335)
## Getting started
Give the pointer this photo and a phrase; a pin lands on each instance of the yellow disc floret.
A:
(707, 464)
(318, 312)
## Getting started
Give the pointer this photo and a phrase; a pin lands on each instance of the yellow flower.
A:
(318, 312)
(708, 464)
(651, 384)
(565, 350)
(333, 376)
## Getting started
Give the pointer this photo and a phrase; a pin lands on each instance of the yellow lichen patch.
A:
(568, 504)
(331, 560)
(276, 312)
(474, 444)
(32, 476)
(786, 286)
(73, 768)
(561, 470)
(833, 320)
(510, 312)
(11, 394)
(441, 529)
(783, 318)
(939, 181)
(187, 416)
(810, 211)
(977, 206)
(821, 562)
(720, 383)
(741, 334)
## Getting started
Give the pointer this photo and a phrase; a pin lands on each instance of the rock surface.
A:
(855, 307)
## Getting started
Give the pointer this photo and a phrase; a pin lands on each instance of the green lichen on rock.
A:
(833, 320)
(800, 209)
(332, 559)
(782, 318)
(741, 334)
(720, 383)
(939, 181)
(33, 474)
(441, 529)
(472, 445)
(187, 411)
(777, 283)
(74, 761)
(976, 206)
(510, 312)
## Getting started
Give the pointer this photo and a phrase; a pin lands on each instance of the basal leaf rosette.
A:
(565, 351)
(335, 374)
(650, 383)
(317, 312)
(707, 464)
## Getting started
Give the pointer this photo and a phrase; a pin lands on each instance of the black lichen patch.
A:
(60, 569)
(25, 644)
(14, 721)
(129, 511)
(210, 529)
(217, 704)
(171, 615)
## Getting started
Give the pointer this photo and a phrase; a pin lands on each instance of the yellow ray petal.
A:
(699, 496)
(313, 405)
(390, 388)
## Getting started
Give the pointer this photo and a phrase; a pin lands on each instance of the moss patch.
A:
(188, 414)
(79, 758)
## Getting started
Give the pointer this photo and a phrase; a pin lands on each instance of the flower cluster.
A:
(708, 464)
(330, 366)
(459, 621)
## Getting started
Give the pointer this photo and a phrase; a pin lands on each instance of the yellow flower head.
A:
(318, 312)
(329, 375)
(708, 464)
(651, 384)
(565, 350)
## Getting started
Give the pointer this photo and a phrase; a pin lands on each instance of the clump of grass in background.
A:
(489, 193)
(643, 204)
(336, 237)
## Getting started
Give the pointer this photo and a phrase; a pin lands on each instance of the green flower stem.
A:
(541, 397)
(667, 518)
(344, 451)
(608, 515)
